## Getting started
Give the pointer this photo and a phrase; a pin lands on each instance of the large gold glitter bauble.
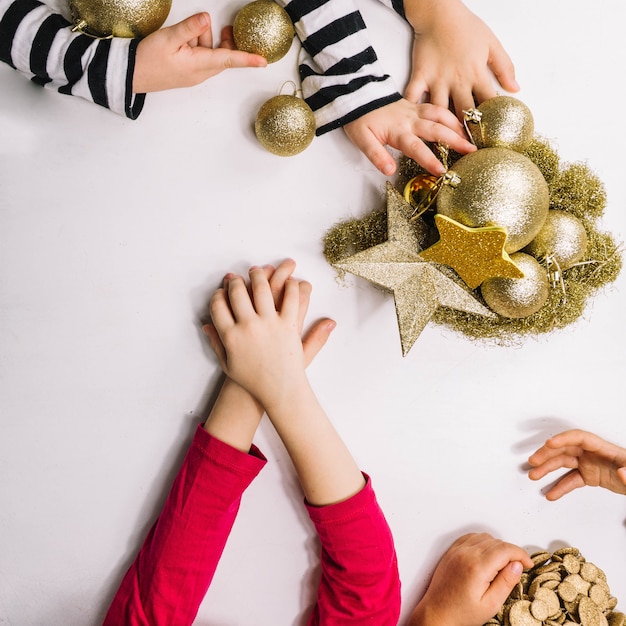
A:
(562, 238)
(499, 187)
(119, 18)
(504, 122)
(285, 125)
(263, 27)
(518, 297)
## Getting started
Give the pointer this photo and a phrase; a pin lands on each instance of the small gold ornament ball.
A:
(285, 125)
(263, 27)
(499, 187)
(119, 18)
(506, 122)
(562, 237)
(518, 297)
(419, 189)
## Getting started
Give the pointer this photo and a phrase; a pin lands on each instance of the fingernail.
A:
(203, 19)
(389, 169)
(205, 329)
(331, 325)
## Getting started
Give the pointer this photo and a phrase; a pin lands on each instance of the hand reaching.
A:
(471, 582)
(592, 461)
(183, 55)
(455, 56)
(406, 127)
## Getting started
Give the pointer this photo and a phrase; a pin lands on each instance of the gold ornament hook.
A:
(473, 116)
(81, 26)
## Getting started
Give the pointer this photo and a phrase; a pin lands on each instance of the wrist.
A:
(423, 615)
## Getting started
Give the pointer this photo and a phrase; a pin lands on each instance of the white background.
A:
(115, 232)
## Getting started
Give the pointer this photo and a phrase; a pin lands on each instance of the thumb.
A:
(316, 338)
(503, 583)
(192, 28)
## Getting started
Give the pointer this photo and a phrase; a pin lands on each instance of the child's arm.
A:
(455, 56)
(591, 460)
(258, 345)
(344, 84)
(38, 41)
(170, 575)
(471, 582)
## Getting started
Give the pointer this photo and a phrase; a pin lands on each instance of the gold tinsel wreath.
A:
(574, 188)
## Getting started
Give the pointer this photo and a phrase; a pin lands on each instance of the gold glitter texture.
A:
(502, 122)
(119, 18)
(285, 125)
(562, 238)
(474, 253)
(518, 297)
(499, 187)
(263, 27)
(419, 287)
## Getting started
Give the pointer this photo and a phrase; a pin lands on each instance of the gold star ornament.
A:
(476, 254)
(419, 288)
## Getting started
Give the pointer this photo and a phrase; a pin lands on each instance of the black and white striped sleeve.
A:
(341, 76)
(38, 41)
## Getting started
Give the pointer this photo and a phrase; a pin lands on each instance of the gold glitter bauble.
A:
(518, 297)
(285, 125)
(499, 187)
(562, 238)
(263, 27)
(505, 122)
(119, 18)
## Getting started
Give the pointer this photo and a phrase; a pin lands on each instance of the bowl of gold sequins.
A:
(561, 589)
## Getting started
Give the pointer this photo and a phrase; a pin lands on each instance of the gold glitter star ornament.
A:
(419, 288)
(475, 253)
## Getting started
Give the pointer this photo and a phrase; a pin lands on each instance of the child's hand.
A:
(183, 55)
(471, 582)
(257, 333)
(406, 126)
(592, 461)
(455, 56)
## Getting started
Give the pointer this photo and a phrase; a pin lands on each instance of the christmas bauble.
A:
(119, 18)
(420, 190)
(562, 238)
(263, 27)
(518, 297)
(501, 122)
(285, 125)
(498, 187)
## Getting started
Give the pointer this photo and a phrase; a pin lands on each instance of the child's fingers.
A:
(572, 480)
(291, 300)
(224, 59)
(316, 338)
(304, 292)
(552, 464)
(239, 299)
(503, 69)
(262, 296)
(366, 141)
(415, 89)
(621, 474)
(221, 313)
(502, 584)
(197, 26)
(277, 281)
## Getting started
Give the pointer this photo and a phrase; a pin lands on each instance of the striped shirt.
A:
(340, 73)
(37, 40)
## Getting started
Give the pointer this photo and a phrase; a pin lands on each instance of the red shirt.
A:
(169, 578)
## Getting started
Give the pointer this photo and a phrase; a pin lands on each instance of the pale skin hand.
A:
(591, 460)
(455, 56)
(406, 126)
(236, 414)
(471, 582)
(258, 345)
(182, 55)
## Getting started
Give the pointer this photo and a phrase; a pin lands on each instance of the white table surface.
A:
(113, 233)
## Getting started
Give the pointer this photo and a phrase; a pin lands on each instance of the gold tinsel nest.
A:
(574, 188)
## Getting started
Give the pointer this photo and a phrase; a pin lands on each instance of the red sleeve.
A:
(172, 572)
(359, 583)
